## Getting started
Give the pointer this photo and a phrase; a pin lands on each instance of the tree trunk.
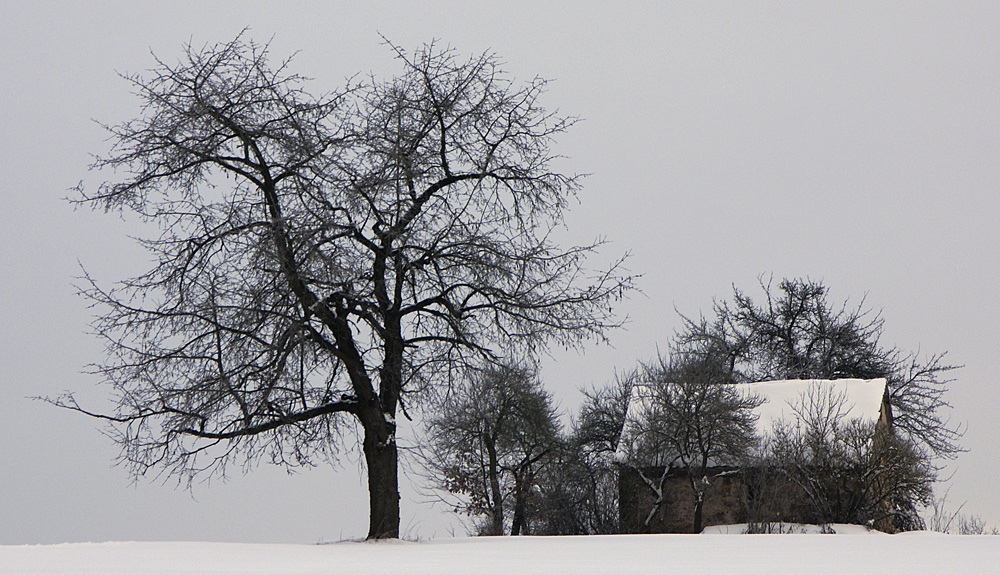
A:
(518, 523)
(383, 487)
(698, 487)
(494, 476)
(379, 424)
(698, 504)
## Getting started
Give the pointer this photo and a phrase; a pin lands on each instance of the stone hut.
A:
(731, 498)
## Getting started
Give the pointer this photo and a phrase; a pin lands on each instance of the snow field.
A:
(910, 554)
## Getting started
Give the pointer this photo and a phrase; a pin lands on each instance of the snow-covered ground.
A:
(811, 554)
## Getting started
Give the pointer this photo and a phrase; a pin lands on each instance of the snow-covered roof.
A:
(862, 401)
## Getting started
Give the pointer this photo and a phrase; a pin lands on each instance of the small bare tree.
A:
(850, 470)
(595, 438)
(328, 258)
(690, 424)
(489, 442)
(578, 490)
(944, 521)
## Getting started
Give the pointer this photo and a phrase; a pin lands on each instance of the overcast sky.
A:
(857, 144)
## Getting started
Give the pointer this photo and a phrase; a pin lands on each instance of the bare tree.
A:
(850, 470)
(578, 489)
(795, 333)
(594, 472)
(489, 442)
(329, 258)
(956, 522)
(689, 425)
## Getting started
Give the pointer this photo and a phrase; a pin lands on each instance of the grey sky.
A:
(857, 143)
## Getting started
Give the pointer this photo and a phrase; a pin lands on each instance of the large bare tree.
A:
(327, 259)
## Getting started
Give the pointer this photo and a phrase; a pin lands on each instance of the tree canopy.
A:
(795, 332)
